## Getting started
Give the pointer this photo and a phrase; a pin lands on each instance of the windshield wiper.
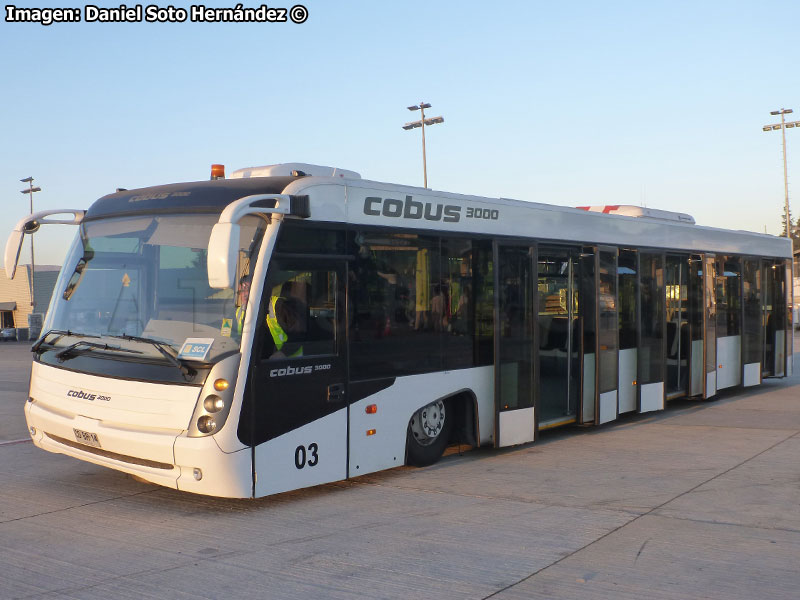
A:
(166, 351)
(85, 346)
(59, 333)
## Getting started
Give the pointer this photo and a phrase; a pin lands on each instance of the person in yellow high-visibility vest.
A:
(285, 324)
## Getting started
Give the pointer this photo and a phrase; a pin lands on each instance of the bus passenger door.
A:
(600, 334)
(677, 332)
(515, 310)
(752, 331)
(607, 337)
(775, 318)
(710, 324)
(651, 341)
(560, 334)
(696, 308)
(299, 377)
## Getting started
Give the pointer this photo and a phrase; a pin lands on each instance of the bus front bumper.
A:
(163, 457)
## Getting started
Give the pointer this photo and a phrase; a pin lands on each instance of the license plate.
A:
(87, 437)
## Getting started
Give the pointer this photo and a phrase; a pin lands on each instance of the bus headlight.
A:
(206, 424)
(213, 404)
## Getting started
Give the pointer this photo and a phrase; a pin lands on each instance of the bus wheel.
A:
(428, 433)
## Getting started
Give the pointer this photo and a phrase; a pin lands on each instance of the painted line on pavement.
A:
(12, 442)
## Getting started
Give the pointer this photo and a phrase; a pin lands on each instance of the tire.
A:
(429, 433)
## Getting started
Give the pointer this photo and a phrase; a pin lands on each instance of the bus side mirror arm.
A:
(30, 225)
(223, 245)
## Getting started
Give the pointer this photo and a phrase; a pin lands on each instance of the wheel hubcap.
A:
(428, 422)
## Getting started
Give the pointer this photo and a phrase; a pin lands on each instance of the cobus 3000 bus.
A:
(294, 325)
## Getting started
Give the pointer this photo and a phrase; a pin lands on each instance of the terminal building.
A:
(17, 301)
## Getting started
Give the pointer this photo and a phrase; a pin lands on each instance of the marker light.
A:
(221, 385)
(372, 409)
(198, 473)
(213, 403)
(217, 171)
(371, 432)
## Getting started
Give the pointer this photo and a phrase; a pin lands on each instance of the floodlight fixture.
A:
(422, 123)
(31, 191)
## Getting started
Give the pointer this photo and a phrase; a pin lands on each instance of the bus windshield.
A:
(146, 276)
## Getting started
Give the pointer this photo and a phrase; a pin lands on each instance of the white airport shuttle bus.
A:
(294, 325)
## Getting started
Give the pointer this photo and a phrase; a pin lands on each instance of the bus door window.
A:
(774, 304)
(752, 332)
(300, 307)
(695, 315)
(607, 331)
(677, 322)
(729, 308)
(652, 325)
(627, 269)
(559, 330)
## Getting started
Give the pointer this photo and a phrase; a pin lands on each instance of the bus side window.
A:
(418, 303)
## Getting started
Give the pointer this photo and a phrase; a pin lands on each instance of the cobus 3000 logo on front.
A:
(430, 211)
(80, 394)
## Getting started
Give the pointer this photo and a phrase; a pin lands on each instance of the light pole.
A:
(421, 123)
(31, 190)
(783, 125)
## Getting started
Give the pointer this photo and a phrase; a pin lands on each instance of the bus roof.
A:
(330, 202)
(376, 203)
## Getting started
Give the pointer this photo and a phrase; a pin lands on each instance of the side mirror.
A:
(223, 250)
(13, 246)
(30, 225)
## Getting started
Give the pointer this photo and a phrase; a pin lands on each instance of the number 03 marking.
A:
(303, 457)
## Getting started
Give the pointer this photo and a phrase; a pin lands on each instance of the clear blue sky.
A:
(654, 103)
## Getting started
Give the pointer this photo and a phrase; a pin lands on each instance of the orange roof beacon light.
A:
(217, 172)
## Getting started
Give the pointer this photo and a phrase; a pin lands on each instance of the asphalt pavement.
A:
(701, 500)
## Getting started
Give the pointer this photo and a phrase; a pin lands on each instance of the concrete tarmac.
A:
(701, 500)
